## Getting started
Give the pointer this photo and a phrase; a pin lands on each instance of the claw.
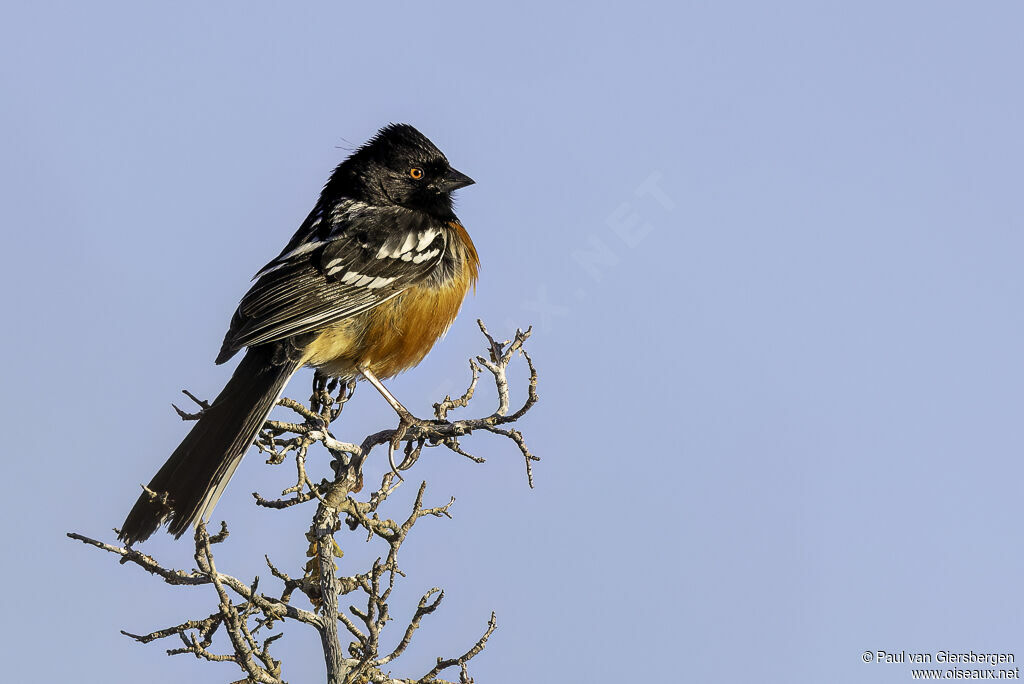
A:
(405, 418)
(391, 460)
(405, 421)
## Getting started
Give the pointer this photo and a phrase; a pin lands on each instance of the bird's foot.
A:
(405, 421)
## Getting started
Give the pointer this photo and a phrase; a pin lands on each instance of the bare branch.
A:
(461, 661)
(442, 408)
(242, 610)
(425, 607)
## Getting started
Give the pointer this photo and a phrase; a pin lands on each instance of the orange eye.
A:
(416, 173)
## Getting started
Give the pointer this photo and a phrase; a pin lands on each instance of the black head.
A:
(398, 167)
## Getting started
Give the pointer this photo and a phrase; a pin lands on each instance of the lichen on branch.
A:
(247, 617)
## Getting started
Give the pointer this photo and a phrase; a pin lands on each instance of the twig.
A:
(242, 610)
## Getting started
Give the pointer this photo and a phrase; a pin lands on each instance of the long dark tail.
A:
(195, 475)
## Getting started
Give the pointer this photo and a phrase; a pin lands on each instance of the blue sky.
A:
(771, 254)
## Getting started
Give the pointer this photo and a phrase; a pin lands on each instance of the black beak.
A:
(454, 180)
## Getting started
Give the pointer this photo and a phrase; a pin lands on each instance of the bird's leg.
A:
(402, 412)
(405, 417)
(320, 383)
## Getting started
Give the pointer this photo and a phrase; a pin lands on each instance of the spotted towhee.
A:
(372, 278)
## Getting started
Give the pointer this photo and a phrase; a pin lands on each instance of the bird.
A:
(372, 278)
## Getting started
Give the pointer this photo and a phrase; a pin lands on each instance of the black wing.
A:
(367, 256)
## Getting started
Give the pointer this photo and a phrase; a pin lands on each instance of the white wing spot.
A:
(347, 211)
(426, 255)
(363, 280)
(303, 248)
(379, 281)
(426, 237)
(282, 260)
(410, 242)
(397, 252)
(270, 268)
(351, 277)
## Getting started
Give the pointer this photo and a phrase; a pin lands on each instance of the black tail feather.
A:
(188, 485)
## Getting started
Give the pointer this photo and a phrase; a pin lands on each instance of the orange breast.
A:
(396, 335)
